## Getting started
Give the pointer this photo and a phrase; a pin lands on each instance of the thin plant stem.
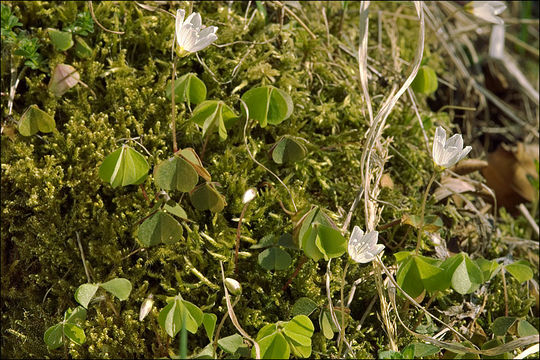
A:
(238, 237)
(183, 339)
(421, 226)
(505, 293)
(218, 330)
(301, 262)
(173, 100)
(82, 257)
(342, 332)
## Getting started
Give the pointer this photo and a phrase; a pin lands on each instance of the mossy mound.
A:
(52, 194)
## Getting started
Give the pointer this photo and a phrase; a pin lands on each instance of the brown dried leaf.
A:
(507, 173)
(468, 166)
(450, 186)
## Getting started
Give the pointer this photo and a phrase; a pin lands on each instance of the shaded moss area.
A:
(52, 194)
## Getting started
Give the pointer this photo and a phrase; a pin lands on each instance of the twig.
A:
(301, 262)
(97, 22)
(82, 257)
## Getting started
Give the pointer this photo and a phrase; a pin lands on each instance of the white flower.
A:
(146, 306)
(447, 153)
(191, 36)
(249, 195)
(487, 10)
(364, 248)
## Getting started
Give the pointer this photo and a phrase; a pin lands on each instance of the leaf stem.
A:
(342, 332)
(238, 237)
(173, 100)
(421, 225)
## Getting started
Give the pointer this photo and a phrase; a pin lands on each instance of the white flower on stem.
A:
(447, 153)
(191, 36)
(487, 10)
(363, 248)
(249, 195)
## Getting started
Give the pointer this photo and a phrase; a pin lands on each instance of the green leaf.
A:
(191, 157)
(267, 241)
(124, 166)
(60, 39)
(75, 333)
(274, 258)
(402, 255)
(206, 197)
(187, 88)
(175, 173)
(75, 316)
(288, 150)
(268, 105)
(329, 241)
(171, 317)
(326, 324)
(465, 275)
(524, 328)
(502, 324)
(82, 49)
(119, 287)
(85, 293)
(63, 78)
(53, 336)
(209, 323)
(489, 268)
(214, 115)
(419, 273)
(172, 207)
(34, 120)
(306, 236)
(521, 270)
(286, 240)
(390, 354)
(425, 81)
(493, 344)
(230, 344)
(432, 223)
(419, 350)
(298, 333)
(159, 228)
(273, 346)
(83, 25)
(304, 306)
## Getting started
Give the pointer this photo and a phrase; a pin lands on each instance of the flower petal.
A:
(204, 42)
(194, 19)
(179, 21)
(455, 141)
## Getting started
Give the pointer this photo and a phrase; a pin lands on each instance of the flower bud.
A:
(233, 286)
(249, 195)
(146, 307)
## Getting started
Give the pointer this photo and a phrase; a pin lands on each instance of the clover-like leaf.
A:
(465, 275)
(125, 166)
(288, 149)
(298, 333)
(274, 258)
(272, 343)
(188, 88)
(209, 322)
(34, 119)
(425, 81)
(119, 287)
(231, 344)
(63, 78)
(81, 48)
(521, 270)
(214, 115)
(61, 40)
(159, 228)
(53, 336)
(206, 197)
(75, 333)
(176, 313)
(85, 293)
(176, 173)
(418, 273)
(268, 105)
(304, 306)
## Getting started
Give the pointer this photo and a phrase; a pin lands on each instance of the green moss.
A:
(51, 192)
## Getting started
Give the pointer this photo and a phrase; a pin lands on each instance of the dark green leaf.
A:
(230, 344)
(75, 333)
(209, 323)
(175, 209)
(502, 324)
(268, 105)
(524, 328)
(425, 81)
(159, 228)
(304, 306)
(172, 317)
(329, 241)
(266, 241)
(82, 49)
(288, 150)
(214, 115)
(75, 316)
(176, 173)
(206, 197)
(188, 88)
(53, 335)
(274, 258)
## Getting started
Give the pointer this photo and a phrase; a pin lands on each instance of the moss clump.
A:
(51, 192)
